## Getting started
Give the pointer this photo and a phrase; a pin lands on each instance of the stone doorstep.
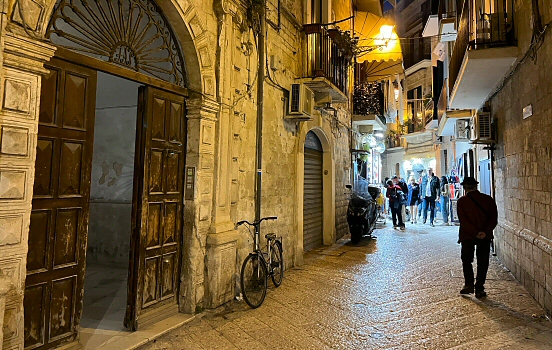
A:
(123, 340)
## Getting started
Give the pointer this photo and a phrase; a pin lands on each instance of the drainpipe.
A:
(260, 105)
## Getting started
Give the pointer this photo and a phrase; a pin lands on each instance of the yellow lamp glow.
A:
(386, 32)
(386, 38)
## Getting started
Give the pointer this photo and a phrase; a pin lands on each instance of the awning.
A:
(382, 56)
(373, 6)
(380, 70)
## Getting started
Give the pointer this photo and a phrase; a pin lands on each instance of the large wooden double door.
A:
(59, 219)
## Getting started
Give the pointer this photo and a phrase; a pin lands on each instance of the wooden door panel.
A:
(66, 237)
(43, 167)
(159, 198)
(59, 217)
(156, 171)
(170, 229)
(168, 278)
(71, 174)
(175, 122)
(154, 225)
(74, 116)
(62, 314)
(34, 304)
(49, 96)
(150, 281)
(172, 173)
(158, 119)
(39, 241)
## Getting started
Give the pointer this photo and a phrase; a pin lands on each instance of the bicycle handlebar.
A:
(255, 223)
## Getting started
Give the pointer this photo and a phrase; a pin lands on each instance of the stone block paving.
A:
(399, 291)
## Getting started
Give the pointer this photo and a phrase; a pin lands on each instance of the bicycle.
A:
(260, 264)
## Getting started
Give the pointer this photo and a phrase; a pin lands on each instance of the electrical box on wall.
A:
(189, 193)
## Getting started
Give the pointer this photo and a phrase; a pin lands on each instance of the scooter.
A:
(362, 213)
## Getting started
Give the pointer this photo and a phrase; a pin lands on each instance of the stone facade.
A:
(523, 163)
(221, 61)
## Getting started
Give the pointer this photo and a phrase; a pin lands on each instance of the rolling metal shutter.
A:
(312, 200)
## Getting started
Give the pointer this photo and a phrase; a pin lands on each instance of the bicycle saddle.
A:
(270, 236)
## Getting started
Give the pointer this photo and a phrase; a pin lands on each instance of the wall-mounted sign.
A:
(527, 111)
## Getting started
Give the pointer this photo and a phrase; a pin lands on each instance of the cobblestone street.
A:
(399, 291)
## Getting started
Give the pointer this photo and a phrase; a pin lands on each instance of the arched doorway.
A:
(313, 195)
(118, 69)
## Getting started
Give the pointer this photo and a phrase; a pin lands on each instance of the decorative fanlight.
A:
(132, 33)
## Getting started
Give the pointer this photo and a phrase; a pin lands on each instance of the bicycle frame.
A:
(257, 240)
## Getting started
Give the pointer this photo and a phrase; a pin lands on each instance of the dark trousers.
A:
(429, 204)
(396, 213)
(482, 253)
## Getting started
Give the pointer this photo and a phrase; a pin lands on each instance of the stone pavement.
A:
(397, 292)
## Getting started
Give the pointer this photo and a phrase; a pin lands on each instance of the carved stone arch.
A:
(184, 21)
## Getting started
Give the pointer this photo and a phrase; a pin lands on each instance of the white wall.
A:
(112, 170)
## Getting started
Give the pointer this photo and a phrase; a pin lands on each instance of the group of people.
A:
(477, 213)
(421, 196)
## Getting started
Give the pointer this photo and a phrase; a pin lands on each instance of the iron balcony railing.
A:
(478, 31)
(419, 114)
(326, 58)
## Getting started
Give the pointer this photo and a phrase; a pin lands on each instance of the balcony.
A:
(420, 116)
(483, 53)
(393, 141)
(447, 119)
(440, 21)
(328, 64)
(368, 106)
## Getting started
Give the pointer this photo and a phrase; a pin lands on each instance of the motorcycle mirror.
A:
(349, 186)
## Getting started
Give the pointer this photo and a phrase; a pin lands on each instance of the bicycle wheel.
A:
(254, 277)
(277, 263)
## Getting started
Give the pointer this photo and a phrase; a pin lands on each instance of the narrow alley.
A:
(399, 291)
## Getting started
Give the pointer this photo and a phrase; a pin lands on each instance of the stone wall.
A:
(342, 156)
(523, 164)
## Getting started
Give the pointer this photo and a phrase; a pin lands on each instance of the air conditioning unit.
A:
(462, 130)
(482, 128)
(301, 103)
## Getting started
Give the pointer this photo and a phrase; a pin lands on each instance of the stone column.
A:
(202, 117)
(5, 287)
(21, 70)
(222, 238)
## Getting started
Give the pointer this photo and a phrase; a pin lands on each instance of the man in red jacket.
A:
(478, 217)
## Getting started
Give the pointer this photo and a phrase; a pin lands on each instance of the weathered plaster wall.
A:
(524, 163)
(112, 171)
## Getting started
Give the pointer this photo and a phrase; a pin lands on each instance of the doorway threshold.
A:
(91, 338)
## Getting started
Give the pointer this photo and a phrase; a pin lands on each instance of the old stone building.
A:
(495, 104)
(523, 159)
(128, 140)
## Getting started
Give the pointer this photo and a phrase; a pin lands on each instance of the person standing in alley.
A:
(395, 193)
(430, 194)
(478, 217)
(399, 181)
(413, 199)
(445, 199)
(423, 183)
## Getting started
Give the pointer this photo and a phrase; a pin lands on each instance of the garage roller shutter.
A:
(312, 200)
